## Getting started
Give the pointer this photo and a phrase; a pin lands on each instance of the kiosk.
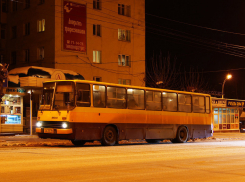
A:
(226, 114)
(12, 110)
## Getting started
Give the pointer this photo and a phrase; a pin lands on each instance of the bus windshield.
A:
(47, 97)
(64, 97)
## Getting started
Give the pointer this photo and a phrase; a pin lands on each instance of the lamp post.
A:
(229, 76)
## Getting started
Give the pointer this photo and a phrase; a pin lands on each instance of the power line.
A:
(215, 41)
(235, 33)
(210, 48)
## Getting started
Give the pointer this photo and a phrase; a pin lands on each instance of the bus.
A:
(86, 111)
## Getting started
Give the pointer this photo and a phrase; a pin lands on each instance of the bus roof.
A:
(127, 86)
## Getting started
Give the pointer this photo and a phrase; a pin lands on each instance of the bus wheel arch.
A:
(182, 135)
(110, 135)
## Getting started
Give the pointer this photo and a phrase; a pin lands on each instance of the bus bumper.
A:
(54, 131)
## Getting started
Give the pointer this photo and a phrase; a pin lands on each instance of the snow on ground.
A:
(34, 141)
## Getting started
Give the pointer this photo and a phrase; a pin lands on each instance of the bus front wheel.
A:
(109, 136)
(78, 142)
(182, 135)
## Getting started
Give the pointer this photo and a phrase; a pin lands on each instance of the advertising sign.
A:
(14, 91)
(218, 103)
(233, 103)
(74, 26)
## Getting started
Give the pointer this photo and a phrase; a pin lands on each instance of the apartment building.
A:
(99, 39)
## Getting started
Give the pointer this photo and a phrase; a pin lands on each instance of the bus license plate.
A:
(48, 130)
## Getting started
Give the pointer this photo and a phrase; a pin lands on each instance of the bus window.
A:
(184, 102)
(99, 95)
(135, 99)
(207, 104)
(153, 100)
(116, 97)
(198, 104)
(48, 91)
(169, 101)
(64, 95)
(83, 95)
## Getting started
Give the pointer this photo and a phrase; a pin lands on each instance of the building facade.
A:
(101, 40)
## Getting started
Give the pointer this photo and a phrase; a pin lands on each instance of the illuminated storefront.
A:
(226, 114)
(12, 110)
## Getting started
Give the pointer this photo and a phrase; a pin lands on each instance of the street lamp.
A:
(229, 76)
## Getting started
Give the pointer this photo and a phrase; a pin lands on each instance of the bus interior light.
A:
(130, 90)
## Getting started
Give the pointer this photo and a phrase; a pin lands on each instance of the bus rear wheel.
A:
(109, 136)
(152, 140)
(78, 142)
(182, 135)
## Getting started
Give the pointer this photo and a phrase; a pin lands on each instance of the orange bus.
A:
(86, 111)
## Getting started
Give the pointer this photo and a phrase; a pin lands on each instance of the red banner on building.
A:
(74, 26)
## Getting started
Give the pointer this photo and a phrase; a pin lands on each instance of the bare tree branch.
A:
(161, 72)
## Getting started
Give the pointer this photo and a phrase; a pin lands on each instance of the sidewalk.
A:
(30, 141)
(229, 136)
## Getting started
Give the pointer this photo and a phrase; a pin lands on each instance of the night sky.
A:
(201, 34)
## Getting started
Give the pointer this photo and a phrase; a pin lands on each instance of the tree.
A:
(193, 81)
(161, 72)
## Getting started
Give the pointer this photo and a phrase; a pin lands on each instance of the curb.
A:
(7, 134)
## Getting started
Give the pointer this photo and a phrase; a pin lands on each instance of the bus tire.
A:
(182, 135)
(78, 142)
(152, 140)
(109, 136)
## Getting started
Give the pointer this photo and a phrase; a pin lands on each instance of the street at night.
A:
(203, 160)
(129, 90)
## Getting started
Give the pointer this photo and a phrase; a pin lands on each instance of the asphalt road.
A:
(192, 161)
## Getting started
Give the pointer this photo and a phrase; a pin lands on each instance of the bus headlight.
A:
(64, 125)
(39, 124)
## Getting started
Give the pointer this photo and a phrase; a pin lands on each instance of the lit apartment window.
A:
(14, 32)
(40, 53)
(124, 81)
(97, 79)
(96, 56)
(123, 60)
(96, 4)
(14, 5)
(27, 4)
(13, 57)
(124, 10)
(27, 55)
(97, 30)
(124, 35)
(41, 25)
(41, 1)
(26, 29)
